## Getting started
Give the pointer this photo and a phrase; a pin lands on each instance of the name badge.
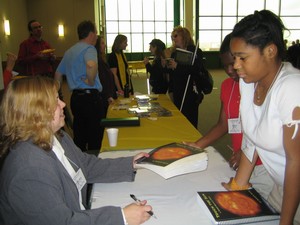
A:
(234, 126)
(79, 180)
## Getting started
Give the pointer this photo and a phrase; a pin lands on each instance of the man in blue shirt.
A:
(79, 64)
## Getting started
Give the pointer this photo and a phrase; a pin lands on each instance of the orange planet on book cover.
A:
(236, 207)
(237, 203)
(174, 159)
(170, 153)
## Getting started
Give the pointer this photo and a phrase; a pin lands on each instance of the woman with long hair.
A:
(44, 176)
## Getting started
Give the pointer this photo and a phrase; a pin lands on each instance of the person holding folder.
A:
(184, 77)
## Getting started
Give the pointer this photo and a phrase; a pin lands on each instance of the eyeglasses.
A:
(37, 27)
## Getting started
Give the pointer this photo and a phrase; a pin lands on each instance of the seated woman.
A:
(44, 177)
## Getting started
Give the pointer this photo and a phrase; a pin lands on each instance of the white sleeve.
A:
(288, 98)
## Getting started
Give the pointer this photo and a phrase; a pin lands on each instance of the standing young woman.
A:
(270, 110)
(229, 122)
(118, 64)
(158, 75)
(179, 74)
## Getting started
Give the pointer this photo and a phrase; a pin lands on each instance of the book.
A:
(236, 207)
(184, 57)
(120, 122)
(174, 159)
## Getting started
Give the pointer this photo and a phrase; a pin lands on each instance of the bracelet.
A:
(235, 187)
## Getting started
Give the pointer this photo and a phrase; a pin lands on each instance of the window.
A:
(214, 23)
(143, 20)
(140, 20)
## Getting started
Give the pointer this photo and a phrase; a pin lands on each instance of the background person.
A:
(80, 65)
(105, 75)
(118, 64)
(31, 59)
(158, 76)
(270, 111)
(179, 74)
(44, 177)
(8, 71)
(106, 78)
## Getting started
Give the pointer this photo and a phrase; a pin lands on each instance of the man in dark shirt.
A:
(35, 55)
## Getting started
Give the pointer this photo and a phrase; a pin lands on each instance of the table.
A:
(174, 200)
(152, 133)
(134, 66)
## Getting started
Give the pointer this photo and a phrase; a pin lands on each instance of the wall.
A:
(49, 14)
(16, 12)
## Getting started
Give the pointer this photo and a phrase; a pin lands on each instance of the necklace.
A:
(257, 91)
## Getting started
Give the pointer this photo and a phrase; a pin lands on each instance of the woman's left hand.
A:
(172, 64)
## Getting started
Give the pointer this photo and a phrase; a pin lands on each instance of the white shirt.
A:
(60, 154)
(263, 125)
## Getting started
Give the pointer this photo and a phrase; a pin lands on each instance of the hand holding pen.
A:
(139, 201)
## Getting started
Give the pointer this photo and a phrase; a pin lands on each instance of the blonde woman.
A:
(44, 177)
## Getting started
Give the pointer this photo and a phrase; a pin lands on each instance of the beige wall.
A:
(49, 13)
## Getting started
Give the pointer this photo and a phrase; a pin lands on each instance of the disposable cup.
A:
(112, 134)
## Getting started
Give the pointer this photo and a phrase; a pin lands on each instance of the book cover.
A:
(236, 207)
(184, 57)
(175, 159)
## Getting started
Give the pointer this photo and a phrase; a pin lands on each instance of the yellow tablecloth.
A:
(152, 133)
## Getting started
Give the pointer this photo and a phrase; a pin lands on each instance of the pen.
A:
(138, 201)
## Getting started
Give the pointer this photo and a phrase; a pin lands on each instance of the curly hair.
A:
(27, 110)
(261, 29)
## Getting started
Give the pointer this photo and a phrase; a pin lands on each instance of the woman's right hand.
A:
(146, 60)
(120, 93)
(136, 214)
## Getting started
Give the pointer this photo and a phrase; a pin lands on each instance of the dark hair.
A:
(84, 28)
(261, 29)
(225, 46)
(29, 25)
(101, 55)
(160, 47)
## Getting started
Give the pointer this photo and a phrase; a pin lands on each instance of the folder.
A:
(120, 122)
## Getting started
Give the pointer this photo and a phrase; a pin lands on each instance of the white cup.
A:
(112, 134)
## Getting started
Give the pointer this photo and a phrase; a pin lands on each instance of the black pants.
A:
(87, 109)
(191, 105)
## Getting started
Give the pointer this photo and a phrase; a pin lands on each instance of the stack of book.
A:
(175, 159)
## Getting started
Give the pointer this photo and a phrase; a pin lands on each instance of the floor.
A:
(208, 109)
